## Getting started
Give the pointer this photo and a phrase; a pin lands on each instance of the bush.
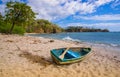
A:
(4, 28)
(18, 30)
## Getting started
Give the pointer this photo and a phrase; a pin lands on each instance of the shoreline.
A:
(76, 41)
(27, 56)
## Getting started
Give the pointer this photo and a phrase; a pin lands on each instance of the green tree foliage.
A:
(19, 30)
(43, 26)
(83, 29)
(18, 14)
(1, 17)
(3, 27)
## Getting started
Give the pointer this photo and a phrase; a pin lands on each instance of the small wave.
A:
(114, 45)
(109, 44)
(70, 39)
(67, 38)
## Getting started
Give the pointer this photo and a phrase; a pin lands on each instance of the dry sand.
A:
(23, 56)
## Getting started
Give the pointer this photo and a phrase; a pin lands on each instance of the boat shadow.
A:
(40, 59)
(36, 58)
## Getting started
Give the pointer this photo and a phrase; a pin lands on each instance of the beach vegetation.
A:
(1, 17)
(43, 26)
(18, 14)
(4, 28)
(84, 29)
(19, 30)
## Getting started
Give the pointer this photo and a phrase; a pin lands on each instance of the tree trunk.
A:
(13, 24)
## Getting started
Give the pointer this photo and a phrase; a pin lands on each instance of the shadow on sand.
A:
(35, 58)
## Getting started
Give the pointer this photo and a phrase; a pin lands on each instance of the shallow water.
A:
(109, 38)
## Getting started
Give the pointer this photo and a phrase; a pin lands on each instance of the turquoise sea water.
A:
(111, 38)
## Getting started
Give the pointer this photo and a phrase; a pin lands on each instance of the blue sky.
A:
(88, 13)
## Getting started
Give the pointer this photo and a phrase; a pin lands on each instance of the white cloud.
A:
(53, 9)
(56, 9)
(102, 2)
(116, 5)
(110, 26)
(47, 9)
(100, 17)
(4, 1)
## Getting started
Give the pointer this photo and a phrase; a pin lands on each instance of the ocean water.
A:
(110, 38)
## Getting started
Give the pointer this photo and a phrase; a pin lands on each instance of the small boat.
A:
(73, 54)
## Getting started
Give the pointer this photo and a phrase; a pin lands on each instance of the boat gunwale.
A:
(58, 61)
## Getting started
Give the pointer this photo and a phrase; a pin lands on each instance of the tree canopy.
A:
(1, 17)
(18, 14)
(84, 29)
(43, 26)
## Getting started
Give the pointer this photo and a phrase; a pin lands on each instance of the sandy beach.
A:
(25, 56)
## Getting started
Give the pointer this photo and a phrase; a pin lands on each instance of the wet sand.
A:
(25, 56)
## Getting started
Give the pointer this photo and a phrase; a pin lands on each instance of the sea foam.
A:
(70, 39)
